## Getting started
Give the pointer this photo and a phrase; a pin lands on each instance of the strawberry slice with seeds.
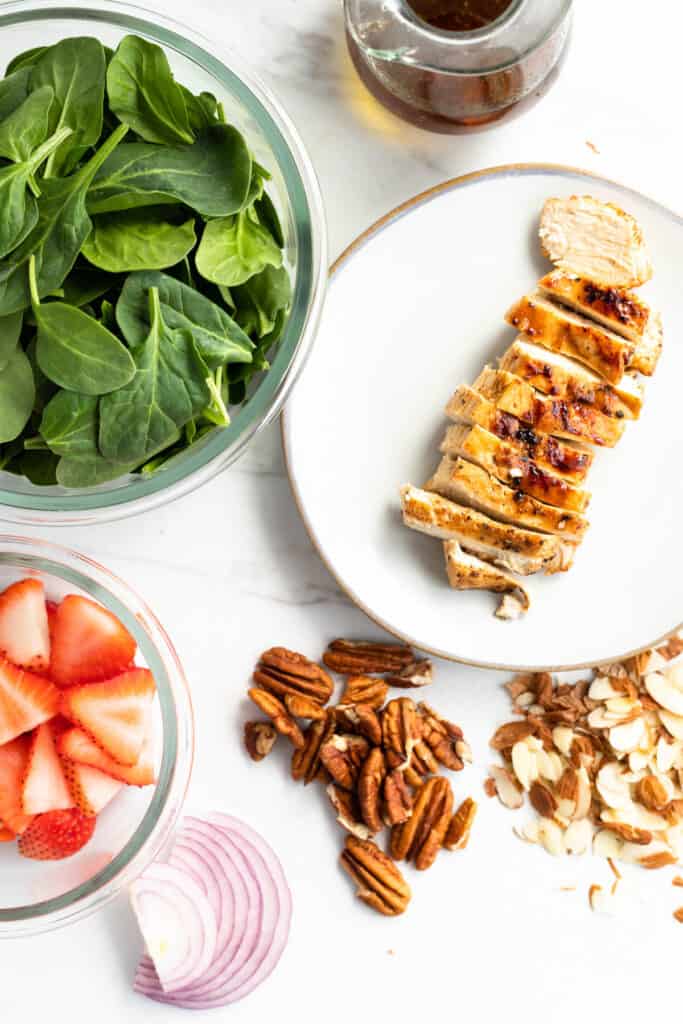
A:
(13, 761)
(56, 835)
(114, 714)
(45, 787)
(26, 700)
(88, 644)
(76, 745)
(6, 834)
(90, 788)
(24, 633)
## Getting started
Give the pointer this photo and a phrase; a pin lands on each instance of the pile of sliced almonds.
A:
(601, 760)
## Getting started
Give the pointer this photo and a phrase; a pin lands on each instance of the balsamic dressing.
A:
(459, 15)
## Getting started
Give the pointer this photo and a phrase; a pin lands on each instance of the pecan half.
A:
(259, 739)
(401, 728)
(458, 832)
(445, 740)
(380, 883)
(343, 757)
(418, 673)
(370, 781)
(351, 658)
(347, 809)
(304, 707)
(277, 712)
(364, 690)
(398, 800)
(363, 719)
(282, 671)
(420, 838)
(306, 763)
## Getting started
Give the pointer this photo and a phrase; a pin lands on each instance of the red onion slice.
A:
(190, 857)
(177, 923)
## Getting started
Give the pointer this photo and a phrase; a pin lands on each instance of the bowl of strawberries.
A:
(96, 736)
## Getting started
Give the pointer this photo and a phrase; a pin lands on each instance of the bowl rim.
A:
(160, 817)
(222, 447)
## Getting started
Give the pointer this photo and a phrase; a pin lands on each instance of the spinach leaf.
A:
(13, 91)
(75, 351)
(74, 68)
(69, 424)
(40, 467)
(138, 240)
(168, 389)
(63, 225)
(202, 110)
(18, 209)
(85, 284)
(17, 392)
(45, 389)
(233, 249)
(211, 177)
(108, 315)
(89, 470)
(268, 216)
(144, 94)
(217, 337)
(261, 299)
(25, 60)
(10, 332)
(27, 127)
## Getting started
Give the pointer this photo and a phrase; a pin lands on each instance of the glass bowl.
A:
(200, 64)
(36, 896)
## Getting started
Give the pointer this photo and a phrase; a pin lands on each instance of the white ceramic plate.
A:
(415, 308)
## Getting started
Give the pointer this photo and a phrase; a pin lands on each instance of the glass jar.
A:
(451, 79)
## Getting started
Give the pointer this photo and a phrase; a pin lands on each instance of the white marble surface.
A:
(230, 570)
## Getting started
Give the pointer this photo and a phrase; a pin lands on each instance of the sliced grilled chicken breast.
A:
(573, 420)
(560, 457)
(597, 240)
(524, 552)
(649, 348)
(503, 461)
(563, 378)
(465, 572)
(558, 329)
(464, 482)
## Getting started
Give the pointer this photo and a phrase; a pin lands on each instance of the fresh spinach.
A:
(212, 176)
(10, 332)
(17, 393)
(27, 127)
(144, 94)
(218, 338)
(233, 249)
(75, 351)
(75, 471)
(74, 69)
(25, 60)
(13, 91)
(138, 240)
(69, 424)
(85, 284)
(261, 299)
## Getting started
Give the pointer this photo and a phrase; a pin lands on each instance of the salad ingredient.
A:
(235, 869)
(24, 632)
(351, 658)
(26, 700)
(113, 172)
(56, 835)
(259, 739)
(90, 788)
(466, 572)
(113, 713)
(13, 762)
(45, 787)
(89, 643)
(76, 745)
(380, 883)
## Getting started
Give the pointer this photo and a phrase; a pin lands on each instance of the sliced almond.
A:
(667, 694)
(607, 844)
(672, 723)
(563, 737)
(550, 837)
(628, 736)
(602, 689)
(611, 785)
(507, 790)
(524, 764)
(578, 836)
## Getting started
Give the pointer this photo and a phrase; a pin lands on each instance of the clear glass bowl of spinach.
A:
(162, 260)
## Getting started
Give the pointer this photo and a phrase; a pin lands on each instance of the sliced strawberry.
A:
(77, 746)
(114, 714)
(56, 835)
(13, 761)
(45, 787)
(51, 609)
(91, 789)
(26, 700)
(6, 835)
(24, 633)
(89, 643)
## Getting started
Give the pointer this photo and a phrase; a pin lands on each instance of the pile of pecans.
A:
(601, 760)
(379, 759)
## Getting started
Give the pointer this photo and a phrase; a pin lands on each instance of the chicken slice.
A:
(505, 462)
(558, 329)
(619, 309)
(561, 457)
(560, 377)
(524, 552)
(593, 239)
(465, 572)
(573, 420)
(464, 482)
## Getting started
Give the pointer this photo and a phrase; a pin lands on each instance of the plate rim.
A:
(347, 253)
